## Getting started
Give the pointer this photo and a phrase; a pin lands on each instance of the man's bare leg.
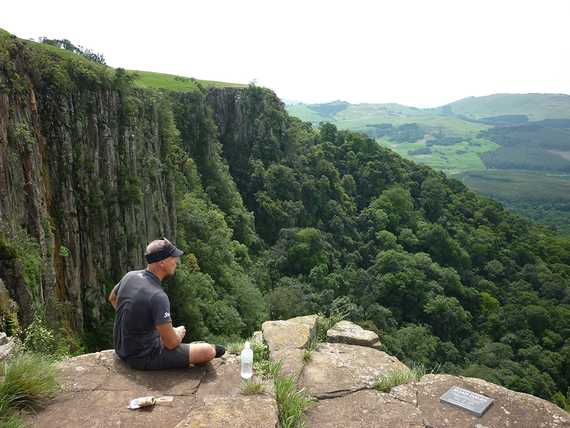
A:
(201, 353)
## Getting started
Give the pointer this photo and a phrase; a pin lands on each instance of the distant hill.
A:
(535, 106)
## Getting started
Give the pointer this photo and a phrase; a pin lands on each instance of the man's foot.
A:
(220, 350)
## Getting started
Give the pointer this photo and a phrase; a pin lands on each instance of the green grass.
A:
(292, 403)
(12, 421)
(252, 387)
(268, 369)
(170, 82)
(29, 382)
(398, 377)
(234, 347)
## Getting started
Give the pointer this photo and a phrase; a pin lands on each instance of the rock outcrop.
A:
(340, 377)
(97, 388)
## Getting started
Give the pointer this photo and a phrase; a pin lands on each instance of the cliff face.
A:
(87, 175)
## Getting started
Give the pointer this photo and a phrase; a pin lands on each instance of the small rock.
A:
(352, 334)
(9, 348)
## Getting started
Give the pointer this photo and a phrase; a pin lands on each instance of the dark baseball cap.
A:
(164, 250)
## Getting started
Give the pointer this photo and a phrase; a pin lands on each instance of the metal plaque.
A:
(464, 399)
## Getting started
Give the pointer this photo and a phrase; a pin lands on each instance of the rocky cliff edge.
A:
(340, 376)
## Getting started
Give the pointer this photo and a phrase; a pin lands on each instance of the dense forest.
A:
(279, 218)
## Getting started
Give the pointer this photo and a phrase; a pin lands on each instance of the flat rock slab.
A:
(352, 334)
(239, 412)
(97, 388)
(225, 381)
(363, 409)
(510, 409)
(336, 369)
(221, 402)
(292, 333)
(104, 371)
(104, 409)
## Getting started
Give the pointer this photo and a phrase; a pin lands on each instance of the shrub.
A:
(40, 339)
(260, 351)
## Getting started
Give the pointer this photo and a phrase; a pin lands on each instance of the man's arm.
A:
(113, 298)
(171, 337)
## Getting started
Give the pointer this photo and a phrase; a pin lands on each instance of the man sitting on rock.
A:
(143, 335)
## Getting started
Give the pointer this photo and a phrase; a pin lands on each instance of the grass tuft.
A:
(252, 387)
(234, 347)
(268, 369)
(292, 403)
(398, 377)
(29, 382)
(12, 421)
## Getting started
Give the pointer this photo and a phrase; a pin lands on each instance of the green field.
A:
(151, 80)
(451, 159)
(514, 185)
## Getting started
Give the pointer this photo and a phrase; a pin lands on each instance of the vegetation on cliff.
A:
(279, 219)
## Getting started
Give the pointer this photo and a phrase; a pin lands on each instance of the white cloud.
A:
(409, 51)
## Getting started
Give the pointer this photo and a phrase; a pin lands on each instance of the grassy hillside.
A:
(149, 79)
(535, 106)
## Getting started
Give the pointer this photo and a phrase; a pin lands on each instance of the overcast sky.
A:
(415, 52)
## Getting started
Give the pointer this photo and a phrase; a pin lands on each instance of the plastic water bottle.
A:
(246, 362)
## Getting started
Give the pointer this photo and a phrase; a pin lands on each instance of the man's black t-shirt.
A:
(142, 304)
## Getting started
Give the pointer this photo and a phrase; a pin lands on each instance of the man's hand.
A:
(180, 331)
(169, 335)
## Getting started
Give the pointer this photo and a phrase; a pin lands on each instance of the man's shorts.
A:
(177, 358)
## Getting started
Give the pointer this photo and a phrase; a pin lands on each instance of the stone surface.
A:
(352, 334)
(417, 404)
(291, 359)
(97, 388)
(292, 333)
(363, 409)
(510, 409)
(336, 369)
(222, 404)
(239, 412)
